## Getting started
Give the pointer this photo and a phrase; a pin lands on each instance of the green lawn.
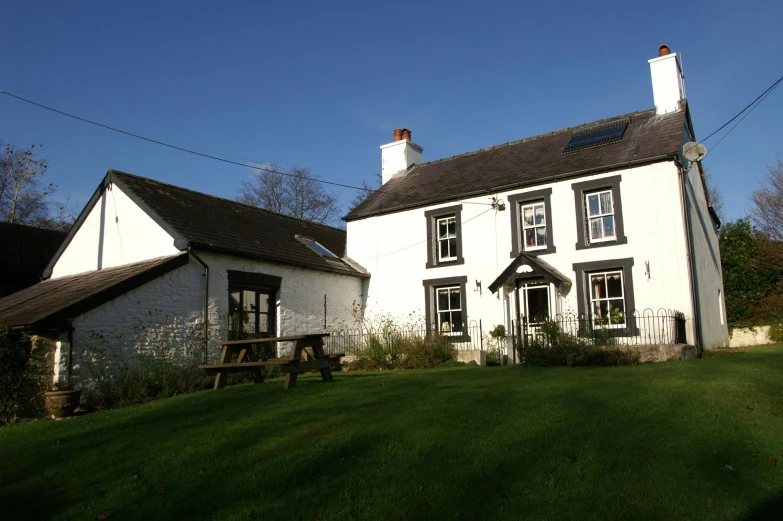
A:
(682, 440)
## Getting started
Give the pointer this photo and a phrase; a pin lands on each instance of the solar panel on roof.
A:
(601, 135)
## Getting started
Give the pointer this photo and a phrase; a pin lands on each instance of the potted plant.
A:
(62, 400)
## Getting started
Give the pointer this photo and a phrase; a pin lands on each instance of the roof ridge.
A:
(538, 136)
(250, 206)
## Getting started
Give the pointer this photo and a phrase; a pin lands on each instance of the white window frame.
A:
(600, 216)
(449, 328)
(447, 238)
(597, 321)
(526, 227)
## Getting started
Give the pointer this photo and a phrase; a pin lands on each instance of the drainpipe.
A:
(206, 301)
(691, 269)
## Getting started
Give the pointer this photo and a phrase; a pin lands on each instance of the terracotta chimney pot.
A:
(663, 50)
(397, 134)
(406, 134)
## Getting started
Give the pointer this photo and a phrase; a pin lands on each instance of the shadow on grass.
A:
(509, 444)
(769, 511)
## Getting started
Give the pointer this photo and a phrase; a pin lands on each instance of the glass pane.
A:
(444, 322)
(263, 302)
(444, 249)
(453, 227)
(598, 286)
(541, 236)
(617, 311)
(606, 202)
(540, 219)
(249, 325)
(456, 320)
(608, 226)
(442, 229)
(235, 321)
(595, 229)
(614, 284)
(263, 323)
(537, 303)
(592, 204)
(530, 237)
(249, 300)
(233, 301)
(443, 299)
(528, 216)
(452, 247)
(454, 299)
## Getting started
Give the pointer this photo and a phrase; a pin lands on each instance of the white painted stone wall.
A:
(750, 336)
(125, 232)
(653, 225)
(164, 316)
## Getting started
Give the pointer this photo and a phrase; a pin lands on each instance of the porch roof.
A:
(537, 264)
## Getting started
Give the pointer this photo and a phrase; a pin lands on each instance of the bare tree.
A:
(767, 211)
(366, 191)
(25, 198)
(296, 193)
(714, 196)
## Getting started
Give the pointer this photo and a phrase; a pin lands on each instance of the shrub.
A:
(396, 350)
(14, 358)
(150, 379)
(776, 333)
(554, 347)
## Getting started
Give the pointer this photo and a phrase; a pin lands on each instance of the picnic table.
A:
(291, 366)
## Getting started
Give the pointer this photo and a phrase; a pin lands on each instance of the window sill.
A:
(599, 244)
(443, 264)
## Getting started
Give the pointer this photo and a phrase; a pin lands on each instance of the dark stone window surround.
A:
(430, 285)
(580, 189)
(259, 282)
(517, 200)
(432, 217)
(626, 265)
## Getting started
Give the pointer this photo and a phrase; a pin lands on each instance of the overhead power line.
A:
(181, 149)
(759, 99)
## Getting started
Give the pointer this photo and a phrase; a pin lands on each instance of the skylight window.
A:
(317, 247)
(597, 136)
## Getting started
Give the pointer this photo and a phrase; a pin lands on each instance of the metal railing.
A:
(637, 327)
(394, 338)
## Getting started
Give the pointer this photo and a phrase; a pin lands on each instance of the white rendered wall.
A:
(708, 271)
(125, 235)
(393, 248)
(164, 316)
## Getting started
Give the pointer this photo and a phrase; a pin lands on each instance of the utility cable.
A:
(762, 95)
(743, 117)
(181, 149)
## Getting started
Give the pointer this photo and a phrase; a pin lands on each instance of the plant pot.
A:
(61, 404)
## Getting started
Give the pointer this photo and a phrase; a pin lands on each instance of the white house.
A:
(150, 265)
(601, 222)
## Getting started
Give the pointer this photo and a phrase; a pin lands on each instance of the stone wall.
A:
(750, 336)
(39, 374)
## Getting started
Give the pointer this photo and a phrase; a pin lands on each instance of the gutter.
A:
(502, 188)
(691, 268)
(206, 300)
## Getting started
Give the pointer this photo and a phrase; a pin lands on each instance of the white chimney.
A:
(399, 155)
(667, 81)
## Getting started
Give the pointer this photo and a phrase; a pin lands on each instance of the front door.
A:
(533, 303)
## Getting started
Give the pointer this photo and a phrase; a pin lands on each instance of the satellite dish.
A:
(694, 151)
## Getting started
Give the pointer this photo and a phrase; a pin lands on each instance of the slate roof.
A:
(525, 162)
(49, 303)
(24, 253)
(211, 223)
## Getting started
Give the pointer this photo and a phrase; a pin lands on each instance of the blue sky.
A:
(322, 85)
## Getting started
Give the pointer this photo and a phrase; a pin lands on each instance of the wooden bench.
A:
(291, 366)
